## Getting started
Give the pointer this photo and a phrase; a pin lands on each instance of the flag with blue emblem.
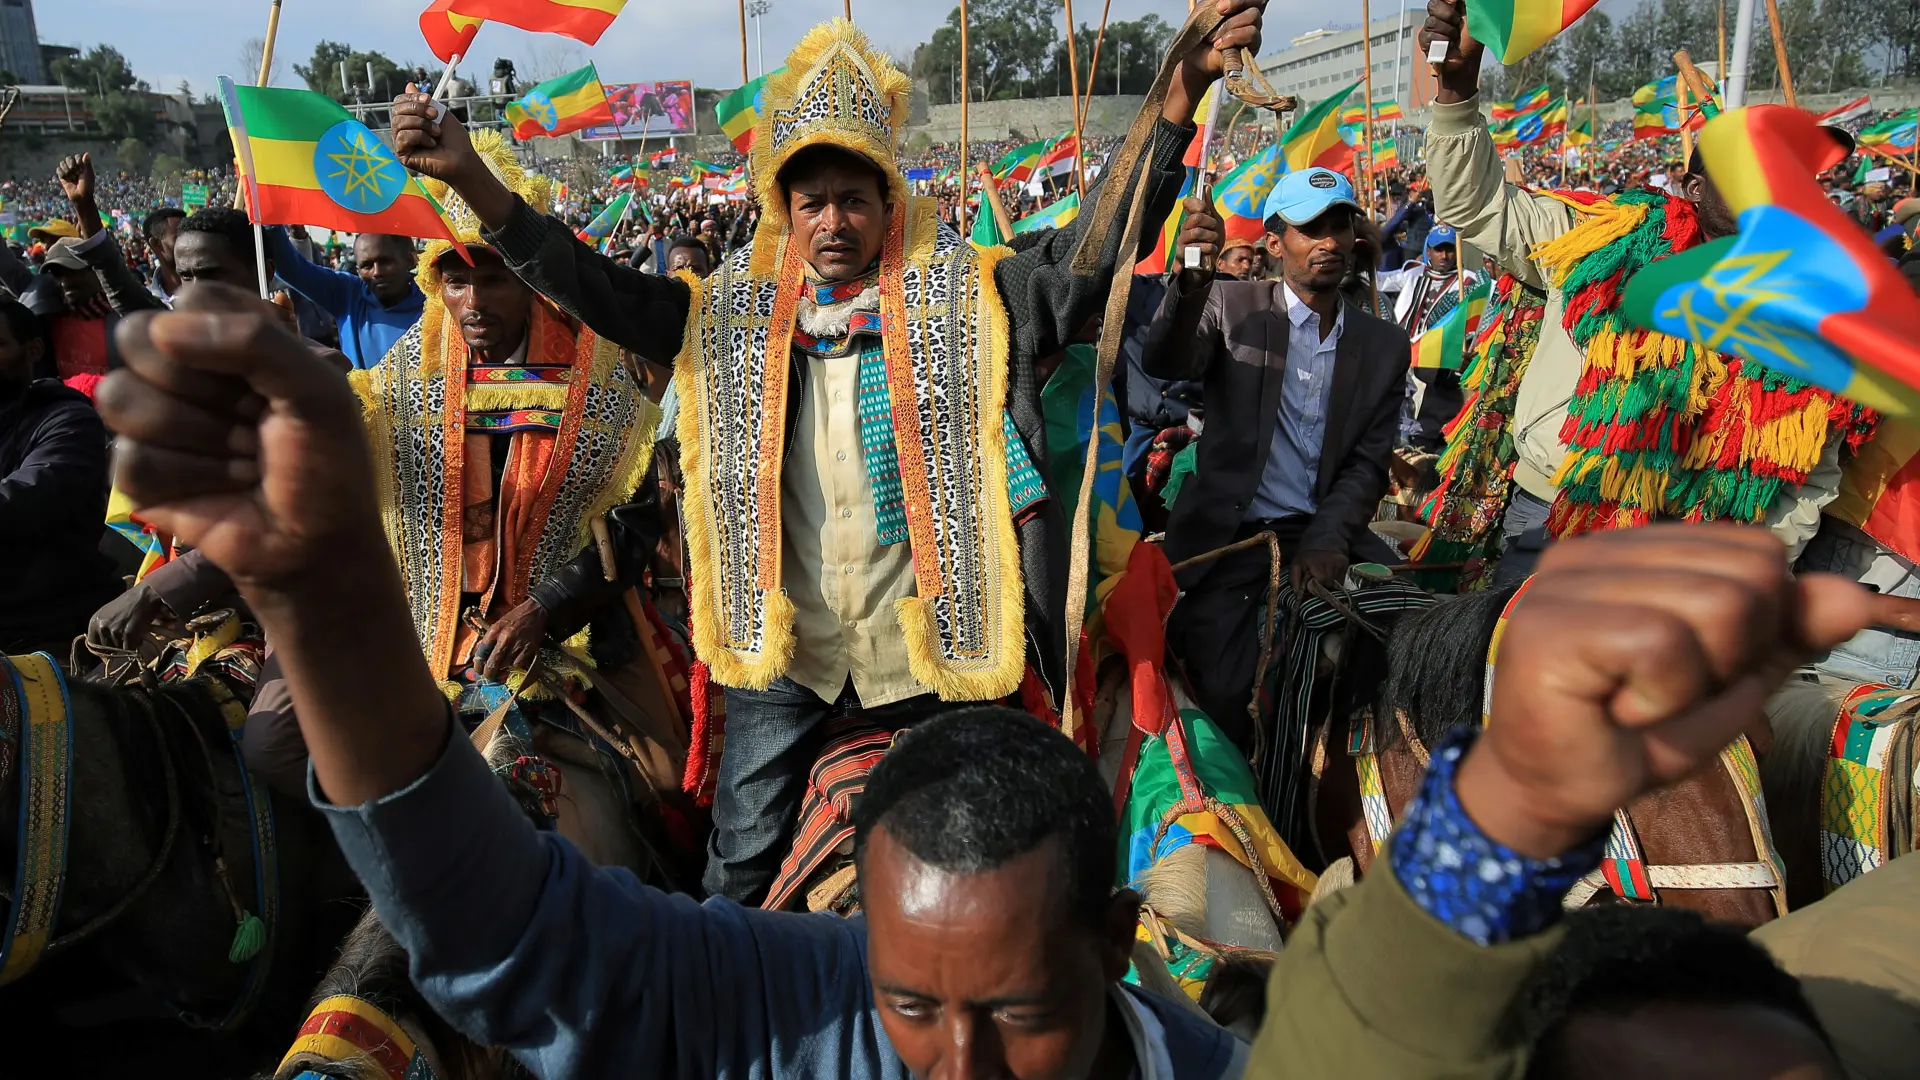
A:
(1801, 287)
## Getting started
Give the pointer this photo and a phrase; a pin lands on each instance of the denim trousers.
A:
(772, 739)
(1524, 532)
(1881, 656)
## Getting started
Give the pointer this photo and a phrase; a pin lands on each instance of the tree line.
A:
(1017, 51)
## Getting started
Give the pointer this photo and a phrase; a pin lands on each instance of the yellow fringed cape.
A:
(946, 343)
(601, 452)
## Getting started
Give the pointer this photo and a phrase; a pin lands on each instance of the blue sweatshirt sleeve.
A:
(518, 941)
(332, 290)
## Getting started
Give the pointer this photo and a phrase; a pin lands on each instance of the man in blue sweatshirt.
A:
(373, 306)
(993, 943)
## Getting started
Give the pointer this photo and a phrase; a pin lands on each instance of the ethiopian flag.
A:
(1581, 134)
(1057, 216)
(1241, 195)
(1386, 152)
(1801, 287)
(1020, 162)
(1382, 111)
(1525, 103)
(1314, 139)
(604, 222)
(581, 20)
(739, 111)
(1443, 346)
(573, 101)
(1895, 136)
(1553, 120)
(306, 161)
(1513, 29)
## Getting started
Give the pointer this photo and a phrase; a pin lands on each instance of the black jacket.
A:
(1046, 304)
(53, 512)
(1240, 349)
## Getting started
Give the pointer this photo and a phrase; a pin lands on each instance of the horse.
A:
(1840, 779)
(136, 845)
(366, 1021)
(1703, 843)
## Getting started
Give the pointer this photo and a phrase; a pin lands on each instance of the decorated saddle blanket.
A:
(1867, 799)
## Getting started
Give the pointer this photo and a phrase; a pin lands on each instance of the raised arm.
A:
(332, 290)
(579, 969)
(1184, 337)
(124, 289)
(643, 313)
(1044, 296)
(1470, 190)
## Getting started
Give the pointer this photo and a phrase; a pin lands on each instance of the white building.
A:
(1321, 62)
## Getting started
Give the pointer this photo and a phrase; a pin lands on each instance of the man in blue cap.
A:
(1303, 393)
(1424, 292)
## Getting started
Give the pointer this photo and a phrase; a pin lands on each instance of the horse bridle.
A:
(349, 1028)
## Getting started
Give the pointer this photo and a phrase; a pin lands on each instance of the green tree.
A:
(322, 73)
(133, 156)
(1010, 42)
(1130, 57)
(113, 91)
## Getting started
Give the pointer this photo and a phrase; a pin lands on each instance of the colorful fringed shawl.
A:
(945, 345)
(1476, 468)
(573, 470)
(1656, 429)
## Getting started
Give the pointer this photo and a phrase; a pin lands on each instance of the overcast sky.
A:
(198, 40)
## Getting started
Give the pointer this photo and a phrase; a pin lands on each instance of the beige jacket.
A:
(1470, 193)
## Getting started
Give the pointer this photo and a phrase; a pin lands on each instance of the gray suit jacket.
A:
(1240, 350)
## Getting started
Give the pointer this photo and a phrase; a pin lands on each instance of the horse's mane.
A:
(1802, 714)
(1437, 661)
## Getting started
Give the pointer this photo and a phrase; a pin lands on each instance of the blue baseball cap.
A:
(1442, 234)
(1302, 196)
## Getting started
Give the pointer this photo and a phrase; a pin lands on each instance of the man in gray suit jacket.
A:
(1303, 400)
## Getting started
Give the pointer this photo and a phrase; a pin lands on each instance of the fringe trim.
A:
(522, 396)
(916, 618)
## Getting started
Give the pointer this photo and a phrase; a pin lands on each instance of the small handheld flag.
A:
(582, 20)
(1443, 346)
(1513, 29)
(1800, 288)
(304, 160)
(740, 111)
(571, 102)
(1057, 216)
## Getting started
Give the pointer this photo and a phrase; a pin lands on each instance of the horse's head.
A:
(367, 1022)
(1436, 667)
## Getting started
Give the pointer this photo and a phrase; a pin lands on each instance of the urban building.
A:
(20, 42)
(1321, 62)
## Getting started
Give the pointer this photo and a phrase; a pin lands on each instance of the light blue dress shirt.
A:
(1293, 462)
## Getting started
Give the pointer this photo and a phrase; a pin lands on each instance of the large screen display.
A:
(647, 110)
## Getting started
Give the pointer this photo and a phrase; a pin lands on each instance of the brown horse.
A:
(1703, 843)
(1838, 815)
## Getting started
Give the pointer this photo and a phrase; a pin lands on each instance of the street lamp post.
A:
(757, 9)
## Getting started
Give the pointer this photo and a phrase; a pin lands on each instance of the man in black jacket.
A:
(1303, 395)
(53, 497)
(859, 417)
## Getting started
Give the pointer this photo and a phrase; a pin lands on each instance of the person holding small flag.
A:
(1303, 390)
(1612, 425)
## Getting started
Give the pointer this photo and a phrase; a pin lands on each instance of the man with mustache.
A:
(1303, 395)
(859, 423)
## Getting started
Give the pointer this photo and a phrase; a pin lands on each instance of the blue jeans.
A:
(1523, 532)
(772, 739)
(1871, 655)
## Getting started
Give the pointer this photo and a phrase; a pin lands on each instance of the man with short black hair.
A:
(160, 229)
(688, 253)
(373, 306)
(1303, 394)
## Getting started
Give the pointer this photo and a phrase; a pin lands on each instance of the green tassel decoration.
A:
(248, 939)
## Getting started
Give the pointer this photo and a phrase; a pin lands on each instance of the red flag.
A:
(448, 32)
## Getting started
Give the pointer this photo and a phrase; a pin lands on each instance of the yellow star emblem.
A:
(363, 168)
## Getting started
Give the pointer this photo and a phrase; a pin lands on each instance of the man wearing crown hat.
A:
(859, 417)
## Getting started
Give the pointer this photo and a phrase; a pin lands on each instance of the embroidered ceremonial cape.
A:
(601, 450)
(945, 344)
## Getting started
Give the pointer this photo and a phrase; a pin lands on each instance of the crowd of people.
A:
(802, 476)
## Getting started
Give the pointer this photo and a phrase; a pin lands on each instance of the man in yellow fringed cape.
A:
(1610, 426)
(859, 419)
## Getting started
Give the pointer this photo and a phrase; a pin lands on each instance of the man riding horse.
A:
(859, 414)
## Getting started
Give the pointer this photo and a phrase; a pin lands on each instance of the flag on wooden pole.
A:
(739, 111)
(571, 102)
(1513, 29)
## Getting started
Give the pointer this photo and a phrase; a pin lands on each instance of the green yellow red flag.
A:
(1800, 288)
(740, 111)
(1443, 346)
(1513, 29)
(571, 102)
(306, 161)
(1314, 139)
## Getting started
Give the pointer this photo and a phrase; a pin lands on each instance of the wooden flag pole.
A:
(1093, 69)
(1722, 75)
(1780, 54)
(266, 69)
(846, 8)
(1073, 76)
(744, 80)
(990, 192)
(966, 94)
(1683, 89)
(1366, 89)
